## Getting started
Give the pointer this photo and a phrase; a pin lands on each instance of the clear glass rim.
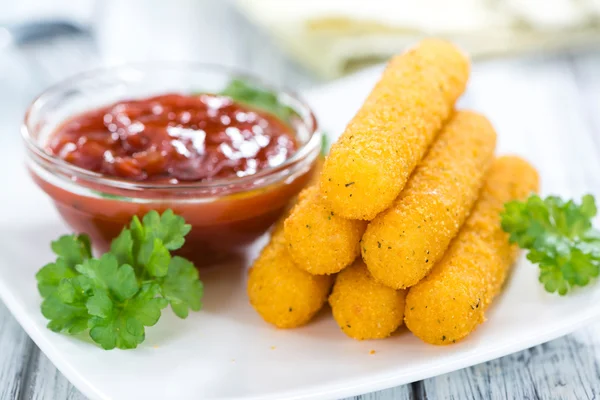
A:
(307, 117)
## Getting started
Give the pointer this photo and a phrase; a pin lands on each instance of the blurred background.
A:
(537, 66)
(299, 43)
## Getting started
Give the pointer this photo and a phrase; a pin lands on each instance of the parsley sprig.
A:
(119, 294)
(559, 238)
(247, 93)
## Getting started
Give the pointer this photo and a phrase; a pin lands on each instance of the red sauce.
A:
(174, 138)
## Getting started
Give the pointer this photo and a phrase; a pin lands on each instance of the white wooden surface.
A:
(569, 92)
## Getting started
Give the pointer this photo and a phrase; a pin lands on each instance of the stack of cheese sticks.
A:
(403, 224)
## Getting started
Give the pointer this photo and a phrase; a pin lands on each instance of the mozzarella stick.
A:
(371, 162)
(280, 292)
(319, 241)
(316, 172)
(283, 294)
(451, 301)
(401, 245)
(363, 308)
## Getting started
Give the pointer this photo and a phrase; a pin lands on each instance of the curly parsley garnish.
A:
(559, 238)
(324, 144)
(246, 93)
(119, 294)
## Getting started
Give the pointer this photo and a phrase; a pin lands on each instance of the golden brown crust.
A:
(371, 162)
(363, 308)
(450, 302)
(319, 241)
(283, 294)
(402, 244)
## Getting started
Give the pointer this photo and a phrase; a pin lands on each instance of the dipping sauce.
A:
(174, 138)
(194, 154)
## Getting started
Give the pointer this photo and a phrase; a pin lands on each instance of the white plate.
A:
(226, 351)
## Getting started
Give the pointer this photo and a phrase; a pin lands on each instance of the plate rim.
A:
(388, 378)
(379, 381)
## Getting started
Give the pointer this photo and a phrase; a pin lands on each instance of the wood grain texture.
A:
(398, 393)
(15, 346)
(15, 351)
(565, 368)
(44, 381)
(557, 95)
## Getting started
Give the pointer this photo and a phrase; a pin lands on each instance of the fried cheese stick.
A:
(401, 245)
(283, 294)
(363, 308)
(319, 241)
(371, 162)
(451, 301)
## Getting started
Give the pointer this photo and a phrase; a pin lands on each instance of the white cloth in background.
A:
(332, 37)
(78, 12)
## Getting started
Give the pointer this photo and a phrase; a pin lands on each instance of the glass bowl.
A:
(227, 215)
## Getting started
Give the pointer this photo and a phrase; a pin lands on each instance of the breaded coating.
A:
(369, 165)
(510, 178)
(319, 241)
(401, 245)
(451, 301)
(314, 178)
(363, 308)
(283, 294)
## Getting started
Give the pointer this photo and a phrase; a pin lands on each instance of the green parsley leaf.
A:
(119, 294)
(111, 196)
(123, 326)
(122, 247)
(182, 288)
(324, 144)
(65, 307)
(246, 93)
(156, 235)
(155, 257)
(169, 228)
(64, 317)
(138, 233)
(100, 304)
(50, 276)
(106, 273)
(560, 239)
(73, 249)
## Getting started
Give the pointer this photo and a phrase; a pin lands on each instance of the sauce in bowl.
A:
(227, 167)
(174, 138)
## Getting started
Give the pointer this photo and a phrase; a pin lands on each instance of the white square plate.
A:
(227, 352)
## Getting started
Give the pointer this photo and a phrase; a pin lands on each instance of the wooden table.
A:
(567, 368)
